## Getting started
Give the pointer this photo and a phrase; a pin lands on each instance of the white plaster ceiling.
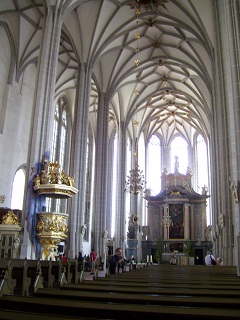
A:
(174, 78)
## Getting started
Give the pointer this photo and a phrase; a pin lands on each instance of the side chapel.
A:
(177, 217)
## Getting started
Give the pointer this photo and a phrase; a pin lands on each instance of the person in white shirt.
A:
(209, 258)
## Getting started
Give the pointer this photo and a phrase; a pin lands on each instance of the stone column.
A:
(110, 187)
(225, 152)
(134, 207)
(43, 114)
(204, 220)
(186, 222)
(165, 222)
(121, 227)
(101, 175)
(149, 227)
(79, 161)
(192, 235)
(161, 209)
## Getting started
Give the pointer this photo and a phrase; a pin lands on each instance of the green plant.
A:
(158, 253)
(188, 250)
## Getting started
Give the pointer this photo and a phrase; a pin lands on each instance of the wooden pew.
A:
(27, 276)
(56, 270)
(74, 271)
(7, 283)
(166, 292)
(47, 273)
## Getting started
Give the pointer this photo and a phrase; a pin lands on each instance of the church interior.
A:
(82, 103)
(119, 128)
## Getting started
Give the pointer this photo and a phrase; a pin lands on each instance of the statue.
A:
(37, 180)
(49, 254)
(148, 192)
(16, 247)
(165, 172)
(204, 190)
(3, 197)
(145, 231)
(83, 230)
(105, 234)
(221, 220)
(189, 171)
(186, 186)
(176, 164)
(10, 218)
(234, 190)
(216, 230)
(208, 233)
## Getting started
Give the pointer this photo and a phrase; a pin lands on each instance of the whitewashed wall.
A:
(15, 117)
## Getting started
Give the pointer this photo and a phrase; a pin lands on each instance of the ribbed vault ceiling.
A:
(168, 93)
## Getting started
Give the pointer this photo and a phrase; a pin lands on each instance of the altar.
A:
(177, 217)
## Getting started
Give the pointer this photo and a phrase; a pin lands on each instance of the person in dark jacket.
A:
(116, 260)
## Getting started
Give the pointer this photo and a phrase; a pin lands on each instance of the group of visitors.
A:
(117, 261)
(89, 260)
(62, 257)
(210, 260)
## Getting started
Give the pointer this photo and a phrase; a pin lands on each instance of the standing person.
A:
(116, 260)
(64, 258)
(219, 262)
(80, 261)
(93, 258)
(87, 263)
(173, 258)
(80, 257)
(210, 260)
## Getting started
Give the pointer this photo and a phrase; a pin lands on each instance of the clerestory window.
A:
(58, 145)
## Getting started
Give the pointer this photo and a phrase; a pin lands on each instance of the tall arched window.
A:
(18, 190)
(128, 168)
(88, 184)
(59, 131)
(202, 163)
(58, 144)
(154, 165)
(179, 153)
(113, 220)
(202, 170)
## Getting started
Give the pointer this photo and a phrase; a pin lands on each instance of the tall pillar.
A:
(192, 235)
(110, 187)
(41, 135)
(166, 222)
(186, 222)
(226, 121)
(121, 227)
(101, 175)
(161, 208)
(204, 220)
(79, 160)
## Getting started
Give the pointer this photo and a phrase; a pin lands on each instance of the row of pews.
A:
(156, 291)
(25, 277)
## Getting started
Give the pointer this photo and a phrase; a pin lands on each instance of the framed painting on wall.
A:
(176, 229)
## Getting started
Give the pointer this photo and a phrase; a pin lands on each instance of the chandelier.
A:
(135, 182)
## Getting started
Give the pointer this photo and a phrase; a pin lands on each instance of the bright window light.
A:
(18, 190)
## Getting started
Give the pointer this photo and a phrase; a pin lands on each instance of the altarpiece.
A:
(177, 217)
